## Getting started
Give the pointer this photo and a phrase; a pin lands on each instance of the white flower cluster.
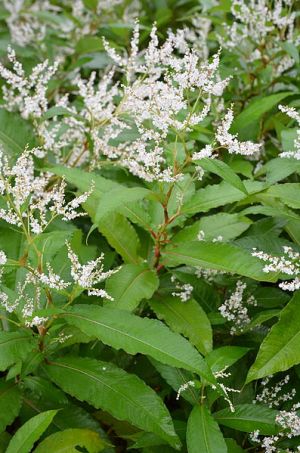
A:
(288, 263)
(31, 203)
(90, 274)
(258, 30)
(274, 395)
(26, 93)
(184, 387)
(184, 291)
(235, 309)
(226, 390)
(292, 113)
(289, 425)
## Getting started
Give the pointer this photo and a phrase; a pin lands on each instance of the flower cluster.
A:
(235, 309)
(292, 113)
(274, 395)
(88, 275)
(32, 201)
(289, 427)
(288, 263)
(183, 291)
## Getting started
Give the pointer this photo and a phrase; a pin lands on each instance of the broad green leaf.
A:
(30, 432)
(288, 193)
(229, 226)
(224, 357)
(248, 418)
(212, 196)
(14, 346)
(89, 44)
(122, 236)
(187, 318)
(280, 168)
(131, 284)
(12, 143)
(280, 349)
(123, 395)
(67, 441)
(123, 330)
(203, 433)
(223, 170)
(220, 256)
(246, 124)
(10, 403)
(115, 199)
(288, 137)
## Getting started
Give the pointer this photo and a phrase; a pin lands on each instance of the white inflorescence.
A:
(90, 274)
(292, 113)
(274, 395)
(184, 291)
(30, 202)
(288, 263)
(184, 387)
(235, 309)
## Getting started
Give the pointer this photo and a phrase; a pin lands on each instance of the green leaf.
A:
(212, 196)
(14, 346)
(248, 418)
(187, 318)
(288, 193)
(223, 170)
(220, 256)
(233, 447)
(123, 395)
(131, 284)
(229, 226)
(122, 236)
(12, 143)
(10, 403)
(89, 44)
(203, 433)
(67, 441)
(280, 349)
(246, 124)
(115, 199)
(280, 168)
(30, 432)
(123, 330)
(224, 357)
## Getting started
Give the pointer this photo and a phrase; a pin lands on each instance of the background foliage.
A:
(166, 318)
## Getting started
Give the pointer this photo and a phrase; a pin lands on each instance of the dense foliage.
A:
(150, 227)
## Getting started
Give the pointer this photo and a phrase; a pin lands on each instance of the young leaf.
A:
(220, 256)
(248, 418)
(203, 432)
(123, 395)
(67, 441)
(14, 346)
(131, 284)
(30, 432)
(10, 403)
(280, 349)
(123, 330)
(187, 318)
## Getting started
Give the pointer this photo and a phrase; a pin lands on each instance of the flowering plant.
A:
(149, 218)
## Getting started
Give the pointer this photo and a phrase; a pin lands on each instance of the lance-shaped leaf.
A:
(223, 170)
(280, 349)
(67, 441)
(10, 403)
(187, 318)
(14, 346)
(203, 432)
(131, 284)
(123, 330)
(248, 418)
(30, 432)
(220, 256)
(123, 395)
